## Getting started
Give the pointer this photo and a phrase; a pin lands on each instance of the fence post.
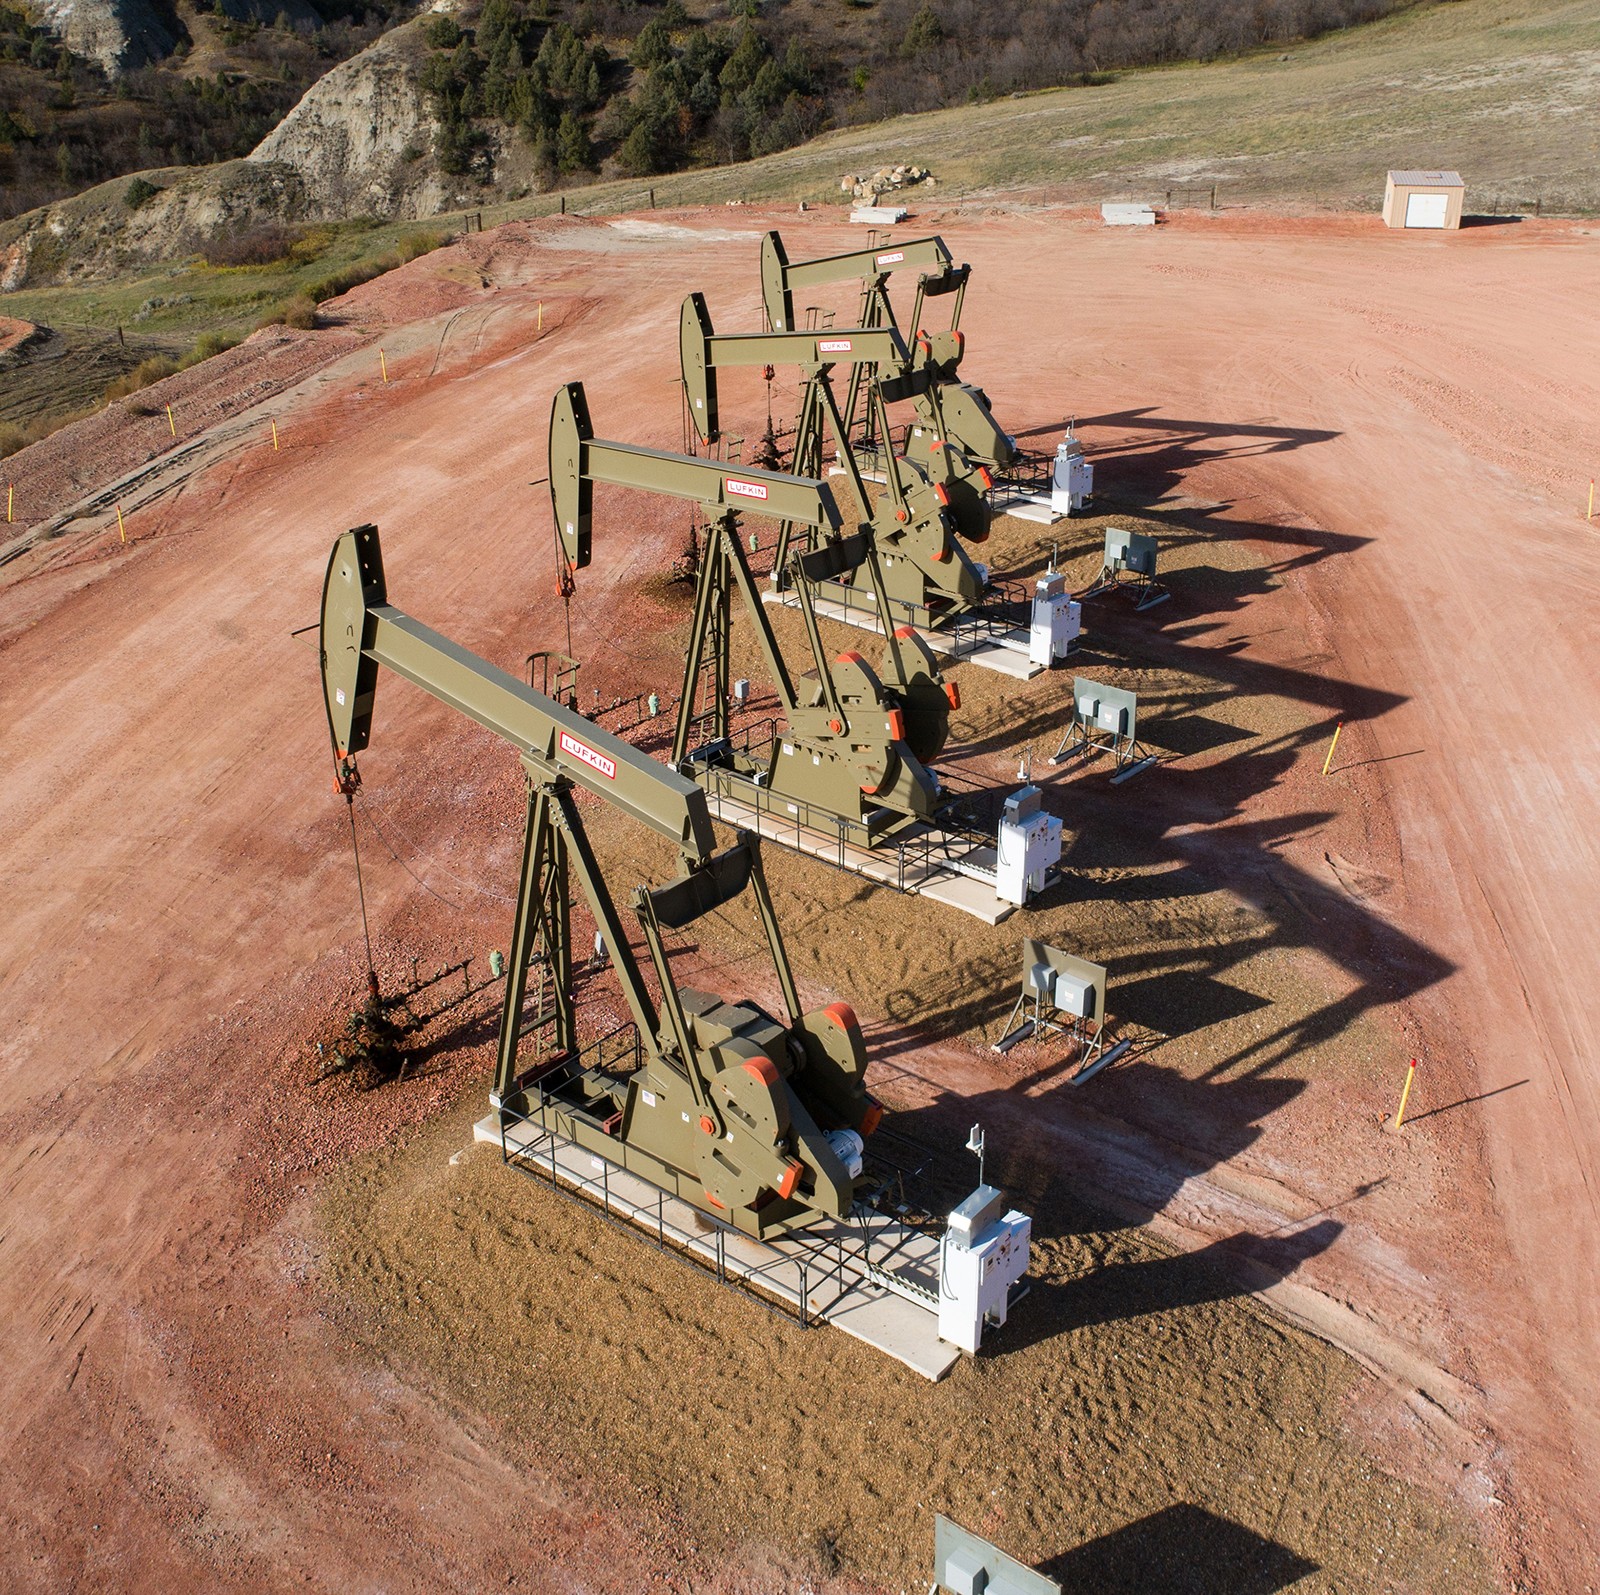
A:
(1213, 196)
(563, 204)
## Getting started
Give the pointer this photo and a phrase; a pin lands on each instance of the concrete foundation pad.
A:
(1028, 507)
(1008, 657)
(820, 1262)
(940, 879)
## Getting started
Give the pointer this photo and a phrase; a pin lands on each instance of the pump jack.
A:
(856, 742)
(927, 574)
(963, 417)
(755, 1119)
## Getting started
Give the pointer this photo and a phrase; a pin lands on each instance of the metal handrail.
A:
(822, 1259)
(538, 1158)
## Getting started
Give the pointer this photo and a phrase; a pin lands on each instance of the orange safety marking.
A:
(764, 1070)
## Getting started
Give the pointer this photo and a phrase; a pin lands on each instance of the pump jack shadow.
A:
(1198, 590)
(1117, 1292)
(1116, 1165)
(1150, 446)
(1181, 1550)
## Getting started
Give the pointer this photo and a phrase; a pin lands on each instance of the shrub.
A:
(139, 192)
(256, 246)
(206, 345)
(414, 245)
(142, 375)
(443, 33)
(300, 313)
(357, 272)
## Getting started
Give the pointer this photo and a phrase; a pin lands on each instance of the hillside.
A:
(94, 89)
(525, 94)
(1497, 88)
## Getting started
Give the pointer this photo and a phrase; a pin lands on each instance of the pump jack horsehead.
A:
(857, 742)
(756, 1119)
(927, 574)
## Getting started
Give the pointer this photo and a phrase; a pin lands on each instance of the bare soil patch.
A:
(1131, 1384)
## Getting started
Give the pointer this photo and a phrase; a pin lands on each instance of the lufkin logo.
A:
(894, 256)
(586, 755)
(834, 346)
(746, 489)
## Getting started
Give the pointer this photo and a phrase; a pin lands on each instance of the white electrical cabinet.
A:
(985, 1252)
(1057, 621)
(1027, 848)
(1072, 480)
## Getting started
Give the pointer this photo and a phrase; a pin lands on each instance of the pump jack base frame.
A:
(920, 861)
(1030, 507)
(973, 638)
(821, 1275)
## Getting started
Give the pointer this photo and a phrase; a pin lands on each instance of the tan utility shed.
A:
(1423, 199)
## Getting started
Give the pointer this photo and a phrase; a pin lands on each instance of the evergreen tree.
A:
(573, 152)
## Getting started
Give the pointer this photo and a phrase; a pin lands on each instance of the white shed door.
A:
(1426, 210)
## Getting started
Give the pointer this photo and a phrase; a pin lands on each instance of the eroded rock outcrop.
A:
(361, 140)
(123, 34)
(119, 34)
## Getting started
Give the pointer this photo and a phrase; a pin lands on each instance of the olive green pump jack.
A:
(855, 740)
(966, 418)
(927, 573)
(721, 1103)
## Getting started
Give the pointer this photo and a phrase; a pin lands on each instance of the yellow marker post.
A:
(122, 531)
(170, 422)
(383, 360)
(1331, 746)
(11, 491)
(274, 437)
(1405, 1094)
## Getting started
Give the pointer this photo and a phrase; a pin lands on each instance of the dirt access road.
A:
(1415, 415)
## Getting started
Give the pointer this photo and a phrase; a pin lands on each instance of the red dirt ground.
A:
(1414, 417)
(12, 332)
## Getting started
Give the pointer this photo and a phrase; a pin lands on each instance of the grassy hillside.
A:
(1501, 89)
(65, 125)
(615, 86)
(1504, 90)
